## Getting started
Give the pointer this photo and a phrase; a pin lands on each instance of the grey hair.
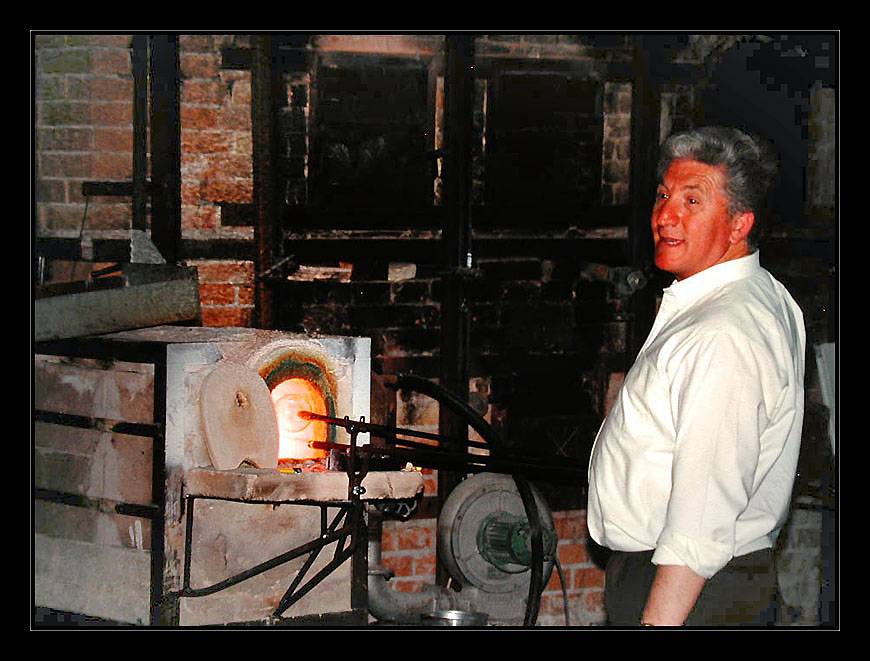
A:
(749, 162)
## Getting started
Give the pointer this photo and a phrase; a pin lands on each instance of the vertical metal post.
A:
(162, 612)
(140, 131)
(166, 147)
(265, 78)
(645, 121)
(456, 239)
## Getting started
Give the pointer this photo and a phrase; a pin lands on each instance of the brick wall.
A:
(84, 113)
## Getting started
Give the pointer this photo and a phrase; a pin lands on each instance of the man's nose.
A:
(666, 214)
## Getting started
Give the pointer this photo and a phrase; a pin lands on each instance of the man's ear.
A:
(741, 226)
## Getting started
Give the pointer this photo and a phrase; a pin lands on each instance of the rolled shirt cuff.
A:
(703, 557)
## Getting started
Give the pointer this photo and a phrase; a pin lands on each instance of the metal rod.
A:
(159, 614)
(382, 431)
(103, 505)
(84, 422)
(389, 432)
(444, 459)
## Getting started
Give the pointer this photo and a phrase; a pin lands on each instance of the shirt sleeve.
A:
(718, 411)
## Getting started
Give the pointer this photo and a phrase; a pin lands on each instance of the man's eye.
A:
(692, 200)
(661, 195)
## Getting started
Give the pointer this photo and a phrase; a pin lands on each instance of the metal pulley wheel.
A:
(484, 537)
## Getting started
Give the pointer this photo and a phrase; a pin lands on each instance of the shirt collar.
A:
(694, 287)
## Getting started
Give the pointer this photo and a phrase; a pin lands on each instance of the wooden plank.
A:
(259, 485)
(92, 579)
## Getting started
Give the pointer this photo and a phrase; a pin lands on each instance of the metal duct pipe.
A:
(401, 607)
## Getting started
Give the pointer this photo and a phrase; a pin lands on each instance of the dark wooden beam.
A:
(166, 147)
(645, 122)
(267, 235)
(456, 242)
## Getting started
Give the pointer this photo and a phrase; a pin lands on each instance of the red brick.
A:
(195, 216)
(551, 605)
(425, 566)
(245, 295)
(235, 117)
(570, 526)
(205, 142)
(63, 113)
(113, 139)
(64, 60)
(388, 541)
(109, 216)
(51, 190)
(229, 166)
(191, 194)
(588, 577)
(110, 40)
(65, 165)
(199, 65)
(104, 88)
(208, 92)
(198, 117)
(227, 316)
(406, 586)
(402, 565)
(57, 217)
(112, 114)
(109, 61)
(240, 94)
(572, 554)
(231, 272)
(416, 538)
(593, 600)
(239, 191)
(243, 143)
(217, 294)
(112, 166)
(197, 43)
(555, 584)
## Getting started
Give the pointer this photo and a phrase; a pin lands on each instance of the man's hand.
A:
(674, 592)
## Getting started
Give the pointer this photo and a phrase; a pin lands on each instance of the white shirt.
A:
(698, 455)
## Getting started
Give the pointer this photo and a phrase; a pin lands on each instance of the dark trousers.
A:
(743, 593)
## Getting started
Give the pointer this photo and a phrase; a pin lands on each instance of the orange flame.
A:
(289, 398)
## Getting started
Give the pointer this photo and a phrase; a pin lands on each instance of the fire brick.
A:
(417, 538)
(227, 316)
(572, 554)
(402, 565)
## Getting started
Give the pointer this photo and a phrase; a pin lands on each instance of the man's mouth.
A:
(670, 242)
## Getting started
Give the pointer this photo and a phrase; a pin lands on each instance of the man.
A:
(691, 473)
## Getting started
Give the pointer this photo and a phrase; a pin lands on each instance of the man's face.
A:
(691, 226)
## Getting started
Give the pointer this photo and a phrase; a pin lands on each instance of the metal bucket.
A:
(454, 618)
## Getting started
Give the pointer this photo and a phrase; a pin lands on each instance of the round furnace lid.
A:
(238, 418)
